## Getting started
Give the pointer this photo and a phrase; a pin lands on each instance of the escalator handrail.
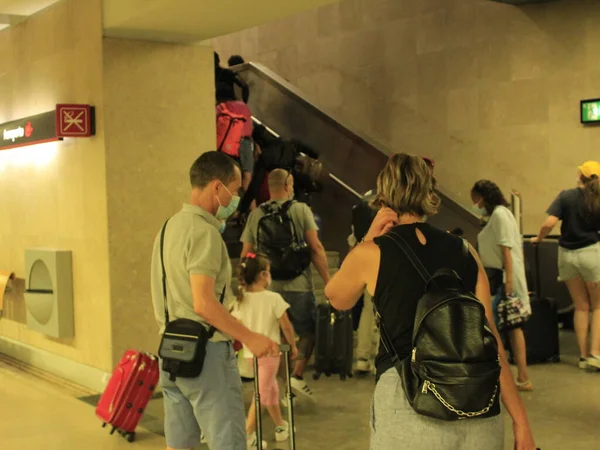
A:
(284, 85)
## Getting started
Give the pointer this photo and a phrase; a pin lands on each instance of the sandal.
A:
(524, 386)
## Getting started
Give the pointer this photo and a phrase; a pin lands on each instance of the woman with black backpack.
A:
(440, 356)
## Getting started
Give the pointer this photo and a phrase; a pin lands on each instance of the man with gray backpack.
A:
(285, 231)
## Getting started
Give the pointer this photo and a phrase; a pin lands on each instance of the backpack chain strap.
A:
(429, 386)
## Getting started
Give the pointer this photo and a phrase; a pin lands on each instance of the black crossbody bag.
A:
(183, 344)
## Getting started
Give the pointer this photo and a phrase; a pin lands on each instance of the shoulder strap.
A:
(410, 254)
(465, 247)
(385, 337)
(212, 329)
(164, 273)
(284, 210)
(420, 268)
(286, 206)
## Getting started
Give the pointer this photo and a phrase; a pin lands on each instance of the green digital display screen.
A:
(590, 111)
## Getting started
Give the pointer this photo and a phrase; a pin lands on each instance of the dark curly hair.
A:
(491, 194)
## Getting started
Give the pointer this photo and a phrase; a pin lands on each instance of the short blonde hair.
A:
(278, 179)
(407, 186)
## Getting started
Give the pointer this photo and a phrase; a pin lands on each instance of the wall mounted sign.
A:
(590, 111)
(75, 121)
(29, 131)
(65, 121)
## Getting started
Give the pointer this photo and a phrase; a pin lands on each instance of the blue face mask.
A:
(224, 212)
(478, 210)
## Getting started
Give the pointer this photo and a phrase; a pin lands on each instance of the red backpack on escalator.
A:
(230, 131)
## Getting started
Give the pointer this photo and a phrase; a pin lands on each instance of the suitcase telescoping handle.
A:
(285, 349)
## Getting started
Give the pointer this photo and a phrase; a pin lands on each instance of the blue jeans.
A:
(495, 301)
(211, 402)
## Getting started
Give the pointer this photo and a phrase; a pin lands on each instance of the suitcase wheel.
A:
(343, 376)
(316, 376)
(129, 436)
(555, 359)
(113, 430)
(103, 424)
(350, 375)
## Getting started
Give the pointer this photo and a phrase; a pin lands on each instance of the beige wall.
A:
(159, 118)
(487, 89)
(104, 198)
(54, 195)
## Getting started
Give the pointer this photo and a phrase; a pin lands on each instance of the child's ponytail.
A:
(249, 270)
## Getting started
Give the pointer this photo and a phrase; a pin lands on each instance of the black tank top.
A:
(399, 286)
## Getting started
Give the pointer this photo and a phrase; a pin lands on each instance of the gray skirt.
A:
(395, 425)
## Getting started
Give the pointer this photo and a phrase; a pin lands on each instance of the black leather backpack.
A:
(454, 370)
(277, 238)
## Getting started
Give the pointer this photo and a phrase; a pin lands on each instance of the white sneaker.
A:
(363, 366)
(282, 433)
(301, 387)
(583, 364)
(594, 361)
(252, 442)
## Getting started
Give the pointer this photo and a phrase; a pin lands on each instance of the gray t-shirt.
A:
(192, 246)
(502, 230)
(303, 220)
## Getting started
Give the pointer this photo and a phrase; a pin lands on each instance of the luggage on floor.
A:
(290, 408)
(541, 332)
(128, 391)
(333, 349)
(542, 261)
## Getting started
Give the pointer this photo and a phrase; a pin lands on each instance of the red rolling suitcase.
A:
(128, 391)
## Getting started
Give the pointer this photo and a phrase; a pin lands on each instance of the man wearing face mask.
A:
(198, 271)
(297, 292)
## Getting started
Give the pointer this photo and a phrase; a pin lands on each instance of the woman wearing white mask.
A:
(501, 252)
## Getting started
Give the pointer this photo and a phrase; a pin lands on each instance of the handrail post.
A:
(516, 205)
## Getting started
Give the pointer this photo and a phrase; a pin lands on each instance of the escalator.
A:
(352, 161)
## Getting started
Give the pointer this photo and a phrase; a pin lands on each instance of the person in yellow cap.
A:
(579, 255)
